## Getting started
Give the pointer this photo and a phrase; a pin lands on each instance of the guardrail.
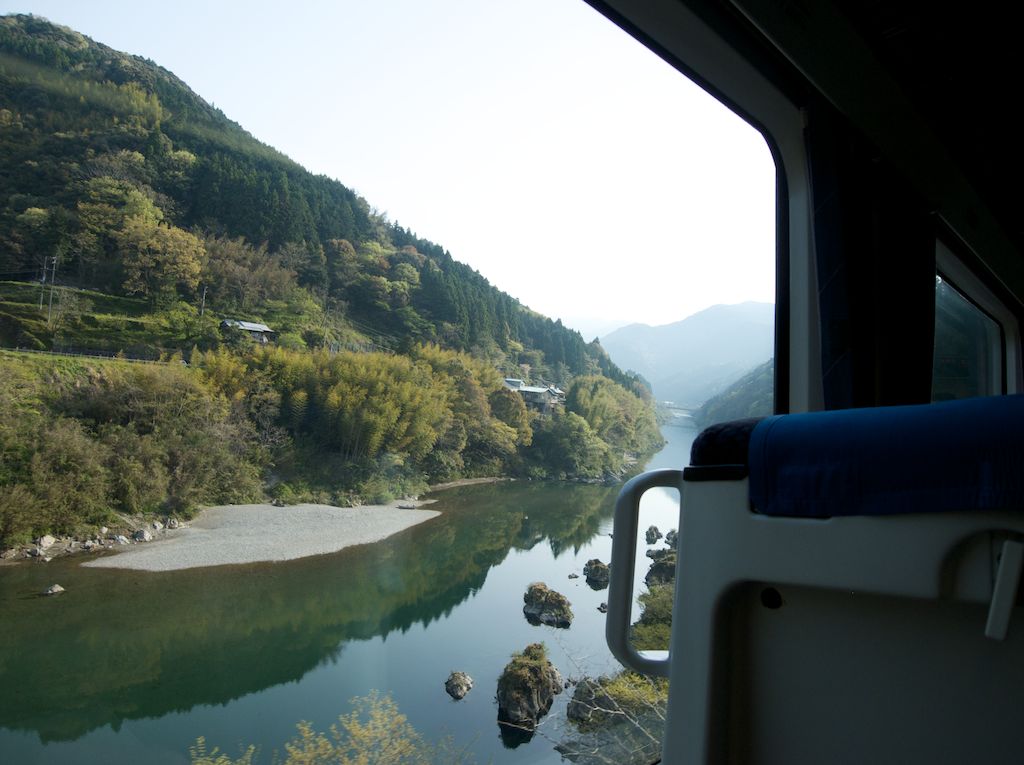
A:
(107, 357)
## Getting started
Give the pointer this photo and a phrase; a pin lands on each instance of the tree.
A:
(106, 207)
(566, 444)
(509, 407)
(70, 305)
(42, 234)
(242, 276)
(157, 258)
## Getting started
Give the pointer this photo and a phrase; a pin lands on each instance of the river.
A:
(129, 667)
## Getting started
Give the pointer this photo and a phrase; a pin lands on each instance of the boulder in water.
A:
(527, 688)
(458, 685)
(663, 569)
(597, 573)
(545, 606)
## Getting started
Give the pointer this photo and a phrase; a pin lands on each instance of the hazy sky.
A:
(531, 138)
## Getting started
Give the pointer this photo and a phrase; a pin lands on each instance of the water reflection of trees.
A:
(126, 645)
(566, 515)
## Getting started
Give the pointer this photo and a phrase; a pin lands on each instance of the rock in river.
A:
(143, 535)
(597, 573)
(663, 569)
(53, 589)
(458, 685)
(527, 688)
(545, 606)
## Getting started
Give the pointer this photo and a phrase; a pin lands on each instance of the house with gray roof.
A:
(261, 333)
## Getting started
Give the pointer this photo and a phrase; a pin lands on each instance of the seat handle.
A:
(620, 586)
(1004, 593)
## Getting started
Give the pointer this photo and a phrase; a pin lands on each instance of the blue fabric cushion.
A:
(724, 443)
(950, 456)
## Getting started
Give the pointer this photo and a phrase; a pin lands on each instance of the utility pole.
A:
(42, 286)
(53, 279)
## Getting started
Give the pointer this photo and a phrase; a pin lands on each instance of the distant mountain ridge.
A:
(689, 361)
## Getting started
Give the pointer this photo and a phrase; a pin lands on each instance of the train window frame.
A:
(1006, 350)
(687, 42)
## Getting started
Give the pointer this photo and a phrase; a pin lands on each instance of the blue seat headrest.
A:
(949, 456)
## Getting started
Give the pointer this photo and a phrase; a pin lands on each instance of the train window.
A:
(968, 358)
(976, 336)
(610, 192)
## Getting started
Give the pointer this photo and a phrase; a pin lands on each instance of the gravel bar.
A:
(233, 534)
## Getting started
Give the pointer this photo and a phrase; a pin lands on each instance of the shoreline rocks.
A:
(131, 529)
(545, 606)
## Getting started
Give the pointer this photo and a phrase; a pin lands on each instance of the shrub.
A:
(17, 511)
(374, 733)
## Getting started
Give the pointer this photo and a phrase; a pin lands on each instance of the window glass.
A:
(322, 361)
(967, 360)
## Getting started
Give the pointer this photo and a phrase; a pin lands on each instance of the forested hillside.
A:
(157, 217)
(136, 186)
(753, 395)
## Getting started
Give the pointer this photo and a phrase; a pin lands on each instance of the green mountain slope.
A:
(137, 186)
(158, 217)
(750, 396)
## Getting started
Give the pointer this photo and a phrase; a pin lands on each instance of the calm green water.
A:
(130, 667)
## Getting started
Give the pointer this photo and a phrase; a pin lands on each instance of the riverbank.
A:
(235, 534)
